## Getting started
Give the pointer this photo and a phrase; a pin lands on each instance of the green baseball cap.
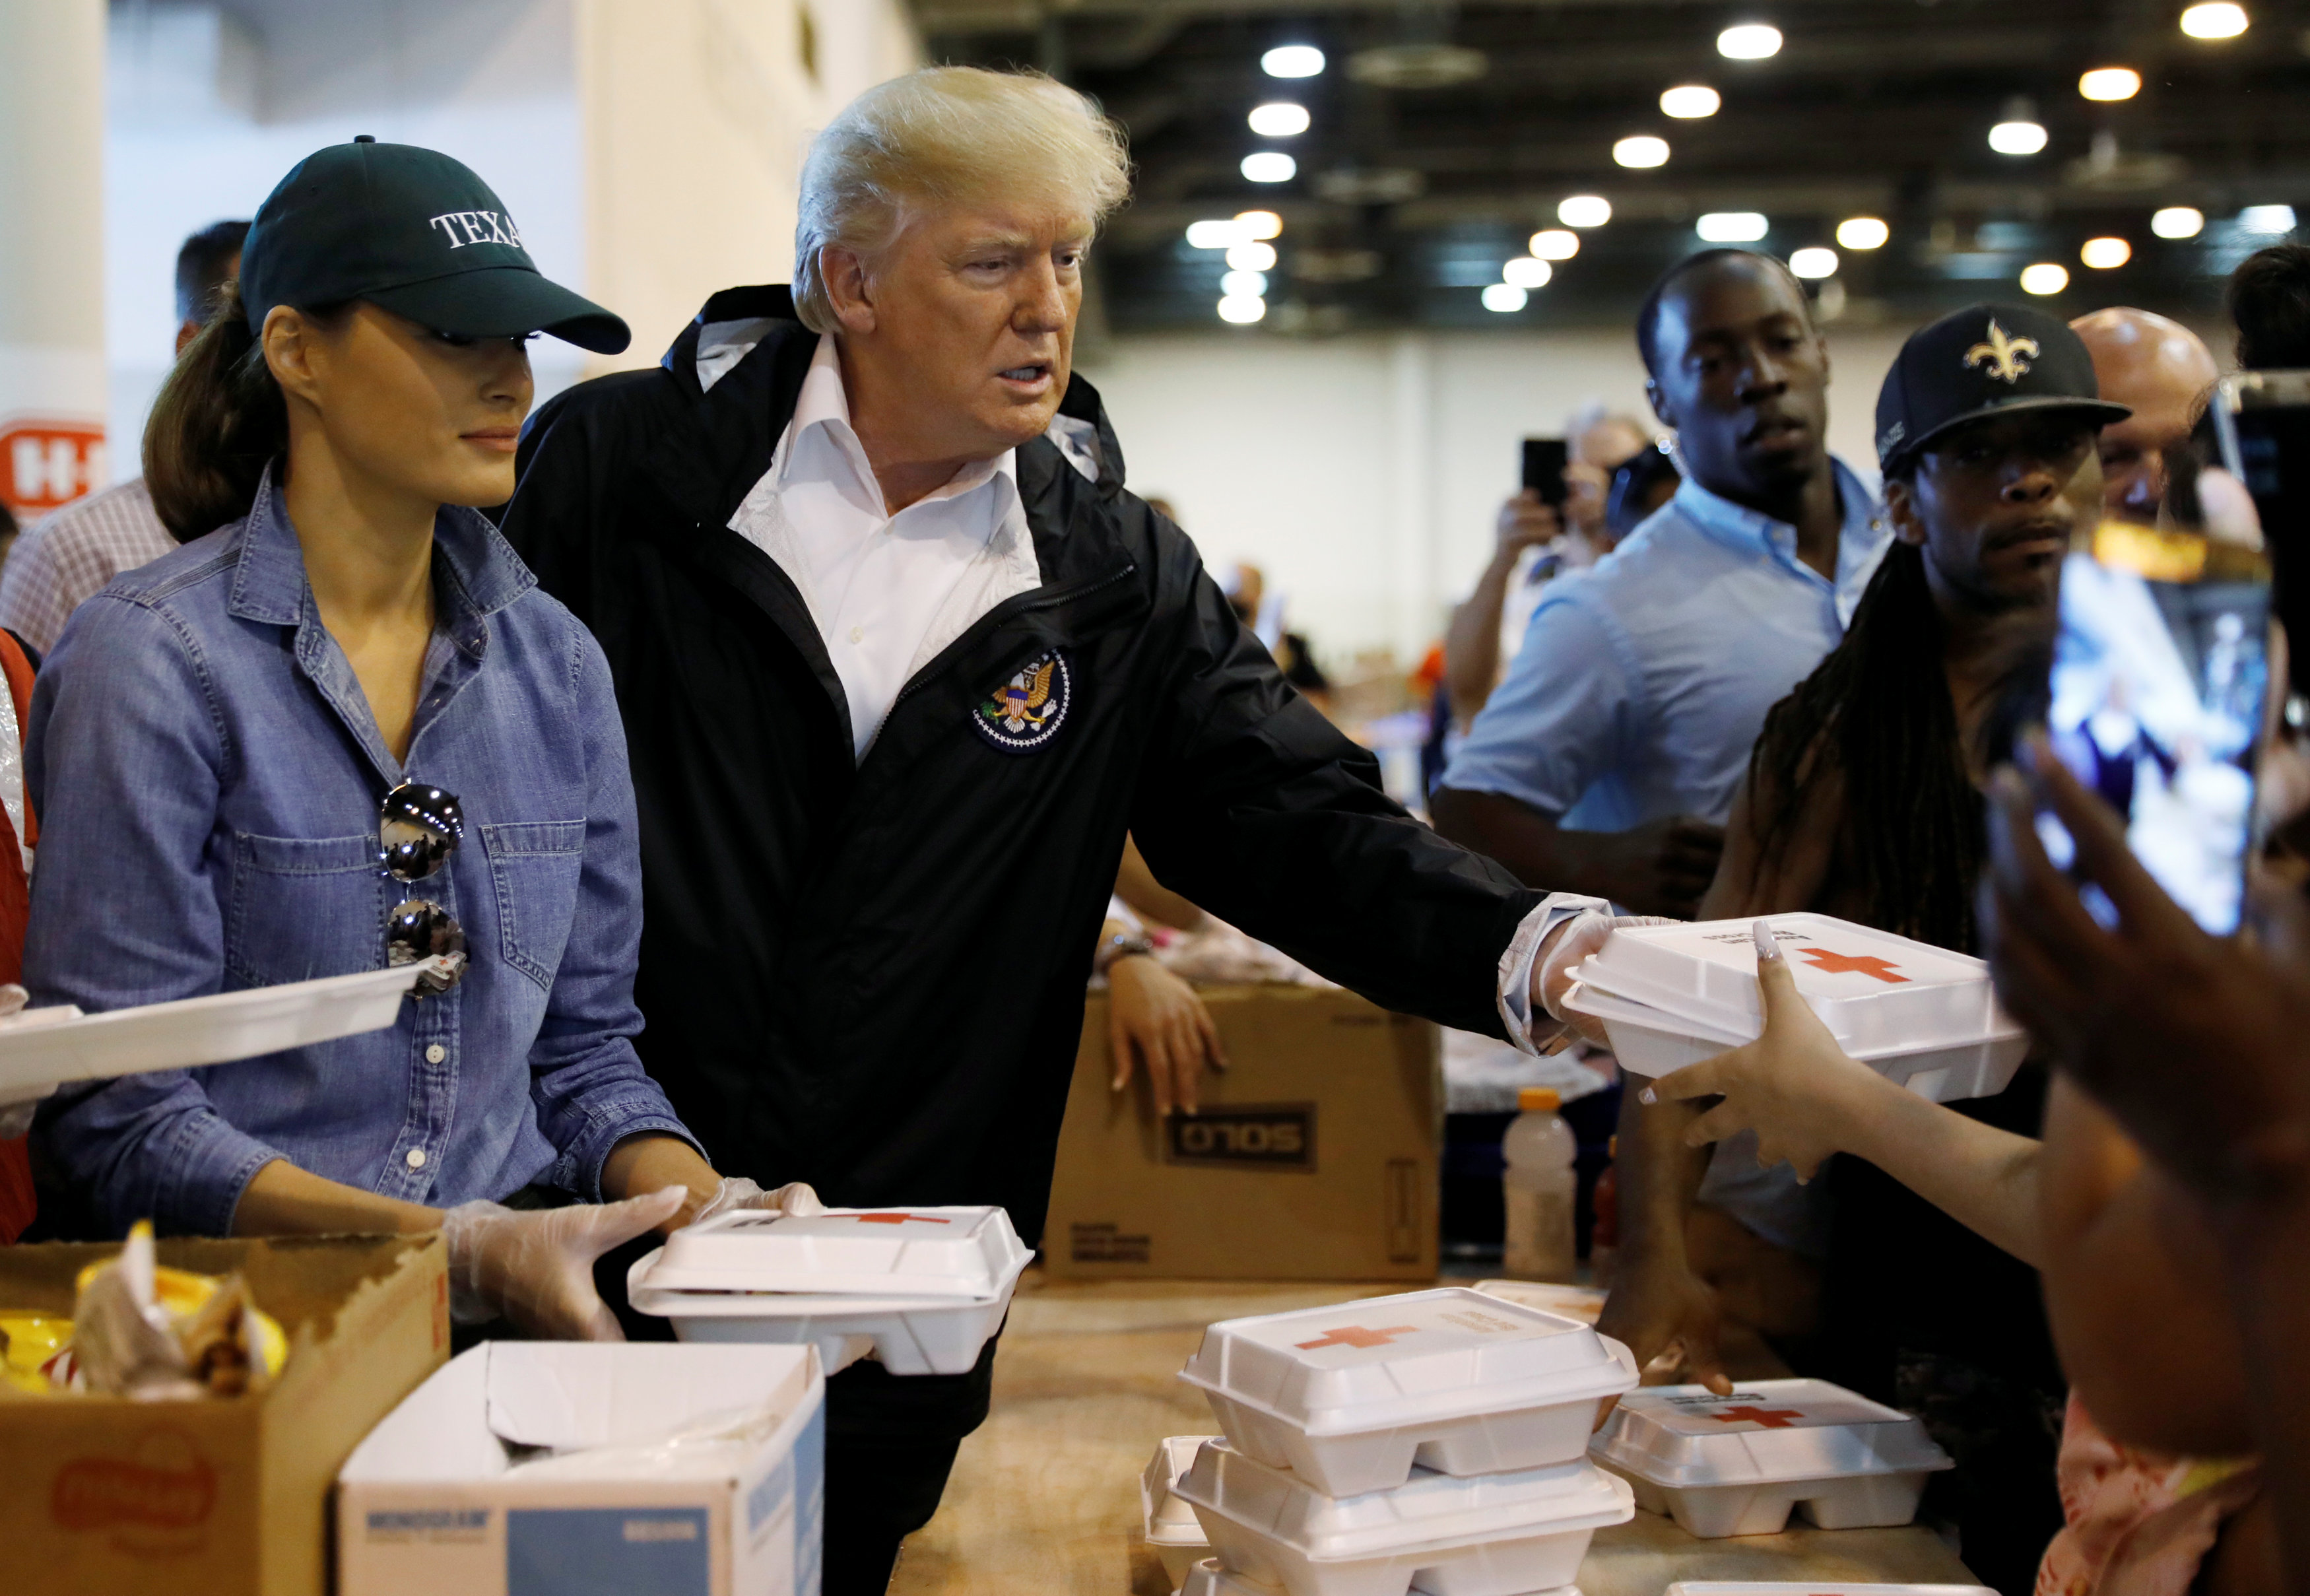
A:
(411, 232)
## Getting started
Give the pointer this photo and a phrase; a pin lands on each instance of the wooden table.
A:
(1045, 1498)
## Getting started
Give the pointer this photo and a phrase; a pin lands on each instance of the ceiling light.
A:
(1244, 285)
(1214, 235)
(2218, 19)
(1292, 61)
(2044, 278)
(1242, 309)
(2178, 221)
(1506, 298)
(2018, 138)
(1815, 262)
(1269, 166)
(1688, 100)
(1280, 120)
(2106, 255)
(1863, 232)
(1554, 243)
(1525, 271)
(1251, 257)
(1584, 210)
(2110, 83)
(1749, 41)
(1642, 151)
(1732, 227)
(2266, 219)
(1258, 224)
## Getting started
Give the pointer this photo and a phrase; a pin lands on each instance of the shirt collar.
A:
(1860, 539)
(479, 571)
(823, 408)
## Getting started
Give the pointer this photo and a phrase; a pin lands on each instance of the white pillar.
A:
(52, 397)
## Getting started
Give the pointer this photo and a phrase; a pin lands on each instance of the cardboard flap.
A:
(535, 1401)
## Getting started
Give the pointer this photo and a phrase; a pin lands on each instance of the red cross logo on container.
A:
(1772, 1419)
(1862, 964)
(1356, 1335)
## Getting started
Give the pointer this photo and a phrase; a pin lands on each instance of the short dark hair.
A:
(1648, 313)
(204, 265)
(2270, 301)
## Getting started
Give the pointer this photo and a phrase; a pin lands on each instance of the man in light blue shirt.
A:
(1608, 761)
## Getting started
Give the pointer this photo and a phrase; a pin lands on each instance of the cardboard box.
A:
(440, 1499)
(100, 1495)
(1313, 1157)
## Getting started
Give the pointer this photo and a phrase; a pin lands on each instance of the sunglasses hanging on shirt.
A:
(418, 828)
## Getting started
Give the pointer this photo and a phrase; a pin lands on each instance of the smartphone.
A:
(2160, 686)
(1544, 460)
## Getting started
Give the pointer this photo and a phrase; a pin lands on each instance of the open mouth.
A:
(1776, 429)
(1032, 375)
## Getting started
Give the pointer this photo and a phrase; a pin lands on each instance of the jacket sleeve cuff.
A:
(1529, 1031)
(579, 1168)
(208, 1164)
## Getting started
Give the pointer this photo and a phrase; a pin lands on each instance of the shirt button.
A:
(416, 1159)
(857, 634)
(436, 1054)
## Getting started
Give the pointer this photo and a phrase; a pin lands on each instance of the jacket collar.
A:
(477, 572)
(709, 467)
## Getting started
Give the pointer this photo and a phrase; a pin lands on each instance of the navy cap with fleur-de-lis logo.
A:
(1983, 361)
(414, 232)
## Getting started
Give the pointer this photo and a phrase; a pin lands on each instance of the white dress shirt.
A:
(887, 592)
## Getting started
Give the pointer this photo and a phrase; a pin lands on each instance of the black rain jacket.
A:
(870, 975)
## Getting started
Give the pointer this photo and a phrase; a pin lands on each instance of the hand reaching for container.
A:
(535, 1267)
(1153, 1014)
(1793, 1086)
(797, 1199)
(1670, 1319)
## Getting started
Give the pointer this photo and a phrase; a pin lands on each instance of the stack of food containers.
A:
(1673, 995)
(1736, 1465)
(920, 1289)
(1168, 1523)
(1435, 1440)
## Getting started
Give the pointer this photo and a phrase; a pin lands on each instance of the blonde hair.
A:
(943, 135)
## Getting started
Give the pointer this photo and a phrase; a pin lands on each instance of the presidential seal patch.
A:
(1026, 712)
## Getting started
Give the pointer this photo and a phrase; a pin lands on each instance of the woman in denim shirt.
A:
(215, 737)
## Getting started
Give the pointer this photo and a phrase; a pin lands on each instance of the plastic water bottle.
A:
(1537, 1188)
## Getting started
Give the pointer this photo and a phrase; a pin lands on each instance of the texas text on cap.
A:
(1985, 360)
(414, 232)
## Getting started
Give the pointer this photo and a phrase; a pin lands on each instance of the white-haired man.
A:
(900, 663)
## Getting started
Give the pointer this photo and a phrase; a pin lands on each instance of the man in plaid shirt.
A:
(69, 556)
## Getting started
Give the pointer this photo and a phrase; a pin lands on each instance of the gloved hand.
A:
(536, 1267)
(16, 1118)
(794, 1199)
(1567, 946)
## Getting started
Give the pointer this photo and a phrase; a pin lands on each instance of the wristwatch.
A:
(1122, 944)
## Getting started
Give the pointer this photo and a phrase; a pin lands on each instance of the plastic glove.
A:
(794, 1199)
(536, 1267)
(1567, 946)
(16, 1118)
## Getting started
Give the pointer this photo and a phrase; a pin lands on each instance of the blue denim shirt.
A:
(207, 773)
(1642, 684)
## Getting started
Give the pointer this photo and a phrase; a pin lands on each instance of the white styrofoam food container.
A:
(1652, 1043)
(41, 1048)
(592, 1468)
(907, 1335)
(1207, 1578)
(1871, 989)
(1736, 1465)
(1494, 1535)
(1584, 1303)
(1352, 1395)
(1728, 1587)
(1168, 1523)
(964, 1254)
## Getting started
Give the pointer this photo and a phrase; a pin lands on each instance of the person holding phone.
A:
(339, 727)
(1560, 512)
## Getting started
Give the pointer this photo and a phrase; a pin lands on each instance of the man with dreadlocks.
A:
(1863, 801)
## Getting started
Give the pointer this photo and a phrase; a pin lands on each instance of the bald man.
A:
(2161, 370)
